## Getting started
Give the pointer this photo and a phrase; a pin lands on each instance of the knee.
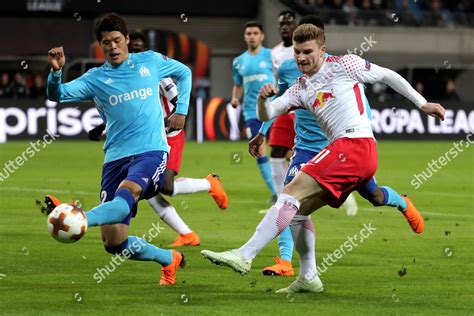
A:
(167, 188)
(134, 188)
(117, 249)
(278, 152)
(377, 198)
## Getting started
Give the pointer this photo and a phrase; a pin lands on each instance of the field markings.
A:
(246, 201)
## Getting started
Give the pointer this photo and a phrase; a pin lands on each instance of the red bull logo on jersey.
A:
(321, 99)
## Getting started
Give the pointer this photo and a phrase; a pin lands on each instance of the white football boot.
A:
(301, 285)
(232, 259)
(350, 205)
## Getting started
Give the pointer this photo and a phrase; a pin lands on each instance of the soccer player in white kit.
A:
(332, 90)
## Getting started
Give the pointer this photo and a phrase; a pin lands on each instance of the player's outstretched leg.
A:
(413, 216)
(272, 224)
(168, 214)
(386, 196)
(302, 229)
(211, 184)
(135, 248)
(283, 266)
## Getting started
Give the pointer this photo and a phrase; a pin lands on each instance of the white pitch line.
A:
(19, 189)
(241, 201)
(424, 213)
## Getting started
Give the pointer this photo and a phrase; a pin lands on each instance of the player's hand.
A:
(96, 132)
(56, 58)
(268, 91)
(176, 122)
(434, 109)
(235, 102)
(255, 144)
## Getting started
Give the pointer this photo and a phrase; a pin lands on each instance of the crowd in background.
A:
(447, 13)
(19, 86)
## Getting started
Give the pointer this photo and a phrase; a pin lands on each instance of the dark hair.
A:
(288, 12)
(139, 36)
(254, 24)
(110, 22)
(312, 19)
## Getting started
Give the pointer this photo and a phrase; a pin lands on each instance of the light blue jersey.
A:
(127, 97)
(309, 135)
(252, 71)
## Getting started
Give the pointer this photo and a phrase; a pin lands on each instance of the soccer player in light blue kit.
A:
(251, 71)
(309, 141)
(125, 91)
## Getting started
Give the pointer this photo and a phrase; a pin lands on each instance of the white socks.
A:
(168, 214)
(278, 166)
(188, 186)
(278, 218)
(302, 229)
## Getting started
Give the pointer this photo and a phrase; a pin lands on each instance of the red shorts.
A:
(176, 144)
(342, 167)
(283, 131)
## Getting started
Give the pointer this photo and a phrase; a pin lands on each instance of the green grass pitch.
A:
(38, 275)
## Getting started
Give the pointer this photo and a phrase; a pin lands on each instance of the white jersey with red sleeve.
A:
(336, 96)
(168, 92)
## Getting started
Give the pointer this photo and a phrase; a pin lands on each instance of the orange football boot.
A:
(413, 217)
(189, 239)
(282, 267)
(50, 204)
(217, 191)
(168, 273)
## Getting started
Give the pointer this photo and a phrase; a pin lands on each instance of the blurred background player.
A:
(136, 150)
(350, 159)
(282, 133)
(166, 211)
(251, 70)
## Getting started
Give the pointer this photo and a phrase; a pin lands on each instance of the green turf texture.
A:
(40, 276)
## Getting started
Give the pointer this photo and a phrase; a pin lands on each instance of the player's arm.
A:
(237, 92)
(74, 91)
(255, 142)
(238, 88)
(367, 72)
(182, 74)
(267, 110)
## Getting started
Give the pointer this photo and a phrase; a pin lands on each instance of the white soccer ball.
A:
(67, 223)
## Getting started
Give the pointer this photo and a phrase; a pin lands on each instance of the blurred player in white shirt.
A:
(331, 90)
(282, 133)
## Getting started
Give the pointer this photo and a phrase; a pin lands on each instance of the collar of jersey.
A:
(127, 61)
